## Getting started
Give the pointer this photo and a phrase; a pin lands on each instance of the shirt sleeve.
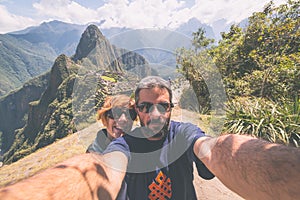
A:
(192, 133)
(94, 147)
(100, 143)
(203, 171)
(118, 144)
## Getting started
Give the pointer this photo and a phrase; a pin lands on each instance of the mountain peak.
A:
(93, 31)
(88, 41)
(96, 51)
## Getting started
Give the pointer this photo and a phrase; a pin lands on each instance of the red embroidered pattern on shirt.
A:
(160, 188)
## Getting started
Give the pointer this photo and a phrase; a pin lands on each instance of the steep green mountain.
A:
(55, 115)
(97, 53)
(20, 61)
(14, 107)
(41, 110)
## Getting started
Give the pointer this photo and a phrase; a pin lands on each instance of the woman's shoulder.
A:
(102, 132)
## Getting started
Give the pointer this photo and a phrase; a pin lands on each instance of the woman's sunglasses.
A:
(147, 107)
(116, 113)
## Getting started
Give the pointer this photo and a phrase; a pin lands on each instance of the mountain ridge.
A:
(15, 106)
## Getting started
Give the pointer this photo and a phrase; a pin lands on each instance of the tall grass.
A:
(275, 122)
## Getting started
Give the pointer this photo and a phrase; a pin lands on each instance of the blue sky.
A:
(19, 14)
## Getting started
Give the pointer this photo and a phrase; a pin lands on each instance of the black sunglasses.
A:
(147, 107)
(116, 113)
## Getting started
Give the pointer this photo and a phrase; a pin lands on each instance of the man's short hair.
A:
(151, 82)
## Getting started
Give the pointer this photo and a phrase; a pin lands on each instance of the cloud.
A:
(10, 22)
(65, 10)
(134, 13)
(171, 13)
(139, 13)
(231, 10)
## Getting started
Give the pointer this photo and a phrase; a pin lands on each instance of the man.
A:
(160, 153)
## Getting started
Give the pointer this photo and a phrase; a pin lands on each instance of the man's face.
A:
(154, 111)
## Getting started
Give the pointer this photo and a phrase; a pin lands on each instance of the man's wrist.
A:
(204, 146)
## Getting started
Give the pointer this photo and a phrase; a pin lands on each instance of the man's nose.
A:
(155, 112)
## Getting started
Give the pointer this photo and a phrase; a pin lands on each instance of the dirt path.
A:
(205, 189)
(213, 189)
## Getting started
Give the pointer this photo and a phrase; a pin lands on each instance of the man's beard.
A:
(149, 133)
(161, 133)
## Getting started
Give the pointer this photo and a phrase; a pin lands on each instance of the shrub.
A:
(275, 122)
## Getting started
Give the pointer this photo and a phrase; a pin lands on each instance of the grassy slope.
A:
(48, 156)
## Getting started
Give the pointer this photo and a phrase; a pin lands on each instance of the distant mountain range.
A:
(60, 36)
(30, 52)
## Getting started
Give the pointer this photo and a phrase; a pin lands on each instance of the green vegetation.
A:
(55, 115)
(266, 119)
(20, 61)
(50, 117)
(260, 69)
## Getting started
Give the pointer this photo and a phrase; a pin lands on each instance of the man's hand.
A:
(87, 176)
(203, 147)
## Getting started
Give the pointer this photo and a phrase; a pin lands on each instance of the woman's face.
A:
(119, 121)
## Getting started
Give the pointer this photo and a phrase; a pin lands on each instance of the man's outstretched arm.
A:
(87, 176)
(253, 168)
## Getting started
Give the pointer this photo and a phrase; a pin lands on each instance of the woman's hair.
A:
(112, 102)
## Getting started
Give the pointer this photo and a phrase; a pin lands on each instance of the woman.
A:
(117, 115)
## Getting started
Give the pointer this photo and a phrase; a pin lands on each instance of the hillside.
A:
(77, 143)
(14, 107)
(20, 61)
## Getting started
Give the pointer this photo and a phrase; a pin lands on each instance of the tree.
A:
(262, 60)
(195, 66)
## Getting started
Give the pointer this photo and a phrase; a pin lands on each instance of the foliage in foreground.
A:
(275, 122)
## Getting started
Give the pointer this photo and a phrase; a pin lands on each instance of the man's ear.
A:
(137, 110)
